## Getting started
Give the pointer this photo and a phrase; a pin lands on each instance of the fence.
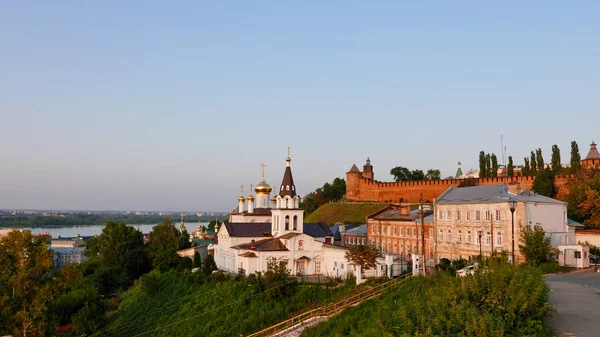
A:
(328, 310)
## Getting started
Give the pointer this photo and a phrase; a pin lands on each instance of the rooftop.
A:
(489, 194)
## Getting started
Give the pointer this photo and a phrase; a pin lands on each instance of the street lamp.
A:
(480, 233)
(513, 205)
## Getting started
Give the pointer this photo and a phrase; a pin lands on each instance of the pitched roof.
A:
(250, 229)
(317, 230)
(287, 184)
(488, 194)
(248, 254)
(573, 223)
(263, 245)
(259, 211)
(354, 169)
(593, 153)
(335, 229)
(360, 230)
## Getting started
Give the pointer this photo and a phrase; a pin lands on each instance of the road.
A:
(576, 297)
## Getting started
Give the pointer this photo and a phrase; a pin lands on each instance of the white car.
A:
(468, 270)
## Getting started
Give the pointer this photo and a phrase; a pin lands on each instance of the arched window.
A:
(300, 245)
(295, 222)
(287, 222)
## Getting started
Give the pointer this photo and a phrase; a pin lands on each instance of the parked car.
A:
(468, 270)
(594, 259)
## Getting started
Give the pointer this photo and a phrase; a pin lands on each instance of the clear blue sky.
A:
(158, 105)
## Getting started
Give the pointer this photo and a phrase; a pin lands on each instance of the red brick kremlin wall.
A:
(359, 188)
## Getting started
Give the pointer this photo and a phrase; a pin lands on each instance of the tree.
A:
(363, 255)
(579, 186)
(526, 170)
(590, 206)
(26, 287)
(334, 191)
(278, 280)
(470, 181)
(533, 163)
(511, 168)
(482, 165)
(164, 242)
(117, 256)
(494, 172)
(433, 174)
(401, 173)
(536, 247)
(540, 160)
(488, 165)
(575, 157)
(556, 166)
(209, 265)
(417, 175)
(214, 224)
(197, 260)
(544, 183)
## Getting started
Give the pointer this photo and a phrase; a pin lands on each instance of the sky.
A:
(159, 105)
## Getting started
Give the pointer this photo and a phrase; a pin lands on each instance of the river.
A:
(97, 229)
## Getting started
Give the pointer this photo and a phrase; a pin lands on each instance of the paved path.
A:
(576, 297)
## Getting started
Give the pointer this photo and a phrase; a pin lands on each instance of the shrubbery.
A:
(503, 301)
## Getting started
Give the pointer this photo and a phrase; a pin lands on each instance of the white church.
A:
(264, 229)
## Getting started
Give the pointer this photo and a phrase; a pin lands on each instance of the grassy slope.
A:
(343, 212)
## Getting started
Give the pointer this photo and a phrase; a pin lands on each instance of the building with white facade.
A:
(275, 231)
(476, 219)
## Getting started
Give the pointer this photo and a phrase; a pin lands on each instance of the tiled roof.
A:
(250, 229)
(593, 154)
(248, 254)
(354, 169)
(488, 194)
(263, 245)
(317, 230)
(257, 212)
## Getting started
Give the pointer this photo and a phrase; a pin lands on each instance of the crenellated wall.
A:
(359, 188)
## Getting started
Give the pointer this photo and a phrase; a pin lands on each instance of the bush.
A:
(551, 268)
(89, 319)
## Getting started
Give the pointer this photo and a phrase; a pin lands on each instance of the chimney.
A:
(515, 188)
(252, 245)
(342, 228)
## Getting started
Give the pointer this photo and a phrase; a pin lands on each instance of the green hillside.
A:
(347, 212)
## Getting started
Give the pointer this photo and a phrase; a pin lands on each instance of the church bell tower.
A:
(287, 217)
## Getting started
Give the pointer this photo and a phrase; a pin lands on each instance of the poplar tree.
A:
(494, 172)
(488, 165)
(511, 169)
(556, 166)
(575, 157)
(533, 164)
(482, 171)
(526, 170)
(540, 160)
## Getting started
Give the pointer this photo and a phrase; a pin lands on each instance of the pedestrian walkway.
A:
(576, 300)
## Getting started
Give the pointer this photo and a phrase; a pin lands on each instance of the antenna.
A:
(503, 150)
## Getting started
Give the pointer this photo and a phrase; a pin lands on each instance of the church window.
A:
(282, 187)
(293, 189)
(300, 245)
(287, 187)
(317, 267)
(295, 222)
(287, 222)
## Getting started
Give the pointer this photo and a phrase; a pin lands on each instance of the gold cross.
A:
(242, 189)
(250, 189)
(263, 170)
(289, 148)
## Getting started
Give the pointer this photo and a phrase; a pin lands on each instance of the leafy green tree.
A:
(209, 265)
(536, 247)
(363, 255)
(433, 174)
(417, 175)
(89, 319)
(488, 165)
(27, 289)
(533, 163)
(116, 257)
(164, 242)
(540, 160)
(575, 157)
(334, 191)
(544, 183)
(584, 188)
(494, 172)
(482, 165)
(556, 165)
(526, 170)
(278, 280)
(401, 173)
(511, 167)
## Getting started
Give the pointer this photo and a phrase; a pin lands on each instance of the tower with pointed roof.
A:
(459, 172)
(287, 216)
(368, 169)
(593, 157)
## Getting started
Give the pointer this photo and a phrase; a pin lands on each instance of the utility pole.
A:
(422, 233)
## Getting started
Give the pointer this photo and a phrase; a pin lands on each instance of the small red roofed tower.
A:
(592, 159)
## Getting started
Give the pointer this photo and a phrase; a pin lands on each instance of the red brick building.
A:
(396, 230)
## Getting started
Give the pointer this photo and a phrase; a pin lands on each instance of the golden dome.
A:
(241, 198)
(263, 188)
(250, 198)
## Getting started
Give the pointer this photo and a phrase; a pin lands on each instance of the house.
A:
(476, 220)
(355, 236)
(65, 255)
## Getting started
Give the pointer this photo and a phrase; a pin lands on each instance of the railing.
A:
(329, 310)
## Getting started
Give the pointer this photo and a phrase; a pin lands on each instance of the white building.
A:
(272, 232)
(461, 214)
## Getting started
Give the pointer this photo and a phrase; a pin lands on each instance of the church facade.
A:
(263, 230)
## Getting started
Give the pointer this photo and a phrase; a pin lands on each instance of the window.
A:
(373, 230)
(317, 267)
(497, 215)
(448, 215)
(488, 237)
(363, 241)
(449, 238)
(287, 187)
(468, 215)
(499, 238)
(477, 239)
(295, 222)
(577, 254)
(440, 215)
(402, 231)
(459, 236)
(300, 245)
(441, 235)
(468, 236)
(287, 222)
(383, 230)
(477, 215)
(431, 233)
(487, 215)
(407, 231)
(394, 231)
(341, 266)
(415, 232)
(457, 215)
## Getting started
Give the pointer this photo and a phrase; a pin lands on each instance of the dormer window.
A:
(287, 187)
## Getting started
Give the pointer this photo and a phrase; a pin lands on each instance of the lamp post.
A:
(513, 206)
(480, 233)
(422, 233)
